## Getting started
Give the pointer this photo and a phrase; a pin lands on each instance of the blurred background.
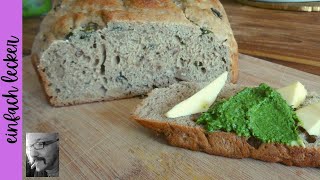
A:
(35, 7)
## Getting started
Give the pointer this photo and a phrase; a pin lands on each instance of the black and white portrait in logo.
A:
(42, 151)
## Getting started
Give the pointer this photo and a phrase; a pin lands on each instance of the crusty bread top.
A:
(69, 15)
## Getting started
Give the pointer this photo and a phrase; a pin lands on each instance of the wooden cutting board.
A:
(100, 141)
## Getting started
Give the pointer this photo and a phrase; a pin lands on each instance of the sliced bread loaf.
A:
(102, 50)
(184, 132)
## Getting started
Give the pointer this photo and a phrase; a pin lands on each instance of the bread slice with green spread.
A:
(187, 132)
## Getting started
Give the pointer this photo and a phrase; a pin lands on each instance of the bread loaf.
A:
(184, 132)
(97, 50)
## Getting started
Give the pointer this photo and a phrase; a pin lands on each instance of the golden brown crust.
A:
(234, 61)
(150, 4)
(90, 4)
(230, 145)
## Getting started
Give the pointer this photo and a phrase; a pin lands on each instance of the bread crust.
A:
(234, 62)
(230, 145)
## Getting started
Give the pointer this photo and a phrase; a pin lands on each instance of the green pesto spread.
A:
(260, 112)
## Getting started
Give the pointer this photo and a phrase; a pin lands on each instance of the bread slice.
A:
(103, 50)
(184, 132)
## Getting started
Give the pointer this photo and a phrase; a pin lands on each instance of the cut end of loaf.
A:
(129, 59)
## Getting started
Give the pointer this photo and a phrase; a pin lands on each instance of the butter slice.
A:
(310, 117)
(201, 101)
(294, 94)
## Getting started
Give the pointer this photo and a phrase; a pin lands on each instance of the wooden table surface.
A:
(284, 37)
